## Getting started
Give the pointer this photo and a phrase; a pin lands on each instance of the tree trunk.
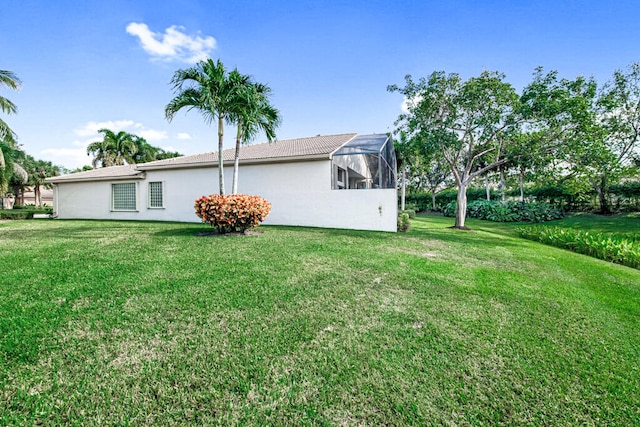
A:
(236, 163)
(220, 158)
(37, 200)
(601, 189)
(486, 186)
(404, 189)
(433, 199)
(521, 182)
(502, 184)
(461, 209)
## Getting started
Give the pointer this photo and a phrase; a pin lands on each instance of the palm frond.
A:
(10, 80)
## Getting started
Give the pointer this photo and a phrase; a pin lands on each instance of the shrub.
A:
(622, 249)
(232, 212)
(16, 214)
(403, 222)
(508, 211)
(34, 209)
(410, 212)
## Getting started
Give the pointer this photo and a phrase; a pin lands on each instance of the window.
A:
(124, 196)
(341, 177)
(156, 199)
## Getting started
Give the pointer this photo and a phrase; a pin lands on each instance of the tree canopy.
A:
(228, 98)
(557, 129)
(470, 123)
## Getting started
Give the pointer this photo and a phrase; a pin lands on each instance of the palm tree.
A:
(7, 136)
(145, 152)
(10, 80)
(205, 87)
(11, 171)
(254, 113)
(114, 149)
(38, 171)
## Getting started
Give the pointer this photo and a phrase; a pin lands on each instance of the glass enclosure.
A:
(367, 161)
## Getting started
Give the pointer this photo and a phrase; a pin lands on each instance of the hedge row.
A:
(24, 212)
(508, 211)
(15, 214)
(622, 197)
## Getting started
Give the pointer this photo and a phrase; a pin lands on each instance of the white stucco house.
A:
(335, 181)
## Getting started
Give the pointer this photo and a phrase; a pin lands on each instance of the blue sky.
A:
(328, 62)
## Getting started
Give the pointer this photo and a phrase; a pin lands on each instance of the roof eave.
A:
(194, 165)
(89, 179)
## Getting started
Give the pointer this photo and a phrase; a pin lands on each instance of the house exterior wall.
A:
(300, 194)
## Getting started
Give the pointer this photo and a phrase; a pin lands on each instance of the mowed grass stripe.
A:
(147, 323)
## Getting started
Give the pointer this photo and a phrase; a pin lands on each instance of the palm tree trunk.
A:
(220, 158)
(236, 161)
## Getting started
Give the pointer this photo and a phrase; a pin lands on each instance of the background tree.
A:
(592, 134)
(10, 80)
(11, 157)
(465, 121)
(38, 171)
(206, 88)
(618, 108)
(421, 168)
(253, 113)
(114, 149)
(146, 152)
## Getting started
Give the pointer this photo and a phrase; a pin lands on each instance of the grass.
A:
(148, 324)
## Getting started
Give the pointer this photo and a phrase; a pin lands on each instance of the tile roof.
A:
(321, 146)
(112, 172)
(316, 146)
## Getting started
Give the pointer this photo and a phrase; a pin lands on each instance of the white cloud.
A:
(153, 135)
(91, 128)
(68, 157)
(174, 44)
(184, 136)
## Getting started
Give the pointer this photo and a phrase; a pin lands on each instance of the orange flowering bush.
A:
(232, 212)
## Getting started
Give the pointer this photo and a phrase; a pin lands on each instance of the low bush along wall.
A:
(24, 212)
(232, 212)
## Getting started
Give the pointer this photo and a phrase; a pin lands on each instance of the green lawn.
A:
(106, 323)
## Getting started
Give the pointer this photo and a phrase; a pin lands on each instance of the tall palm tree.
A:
(205, 87)
(114, 149)
(10, 80)
(7, 136)
(254, 114)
